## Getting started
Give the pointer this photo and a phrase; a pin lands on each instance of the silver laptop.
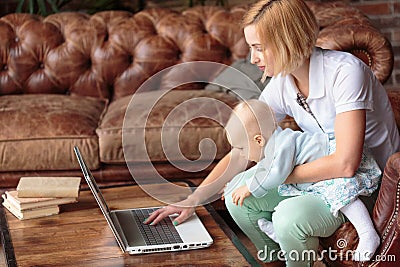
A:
(135, 237)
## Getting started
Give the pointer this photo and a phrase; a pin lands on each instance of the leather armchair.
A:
(387, 222)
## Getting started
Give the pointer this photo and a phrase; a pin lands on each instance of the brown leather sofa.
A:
(67, 79)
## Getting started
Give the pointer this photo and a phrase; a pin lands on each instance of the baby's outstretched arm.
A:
(239, 195)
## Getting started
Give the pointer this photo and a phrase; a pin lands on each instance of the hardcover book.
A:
(31, 213)
(48, 187)
(23, 203)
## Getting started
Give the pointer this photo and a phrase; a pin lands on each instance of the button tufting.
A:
(89, 63)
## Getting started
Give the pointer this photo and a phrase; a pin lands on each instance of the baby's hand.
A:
(222, 192)
(240, 194)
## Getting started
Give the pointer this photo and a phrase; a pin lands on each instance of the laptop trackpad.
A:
(130, 228)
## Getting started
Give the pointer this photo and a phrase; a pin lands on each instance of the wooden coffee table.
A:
(80, 236)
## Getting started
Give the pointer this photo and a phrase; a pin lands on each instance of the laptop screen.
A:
(98, 195)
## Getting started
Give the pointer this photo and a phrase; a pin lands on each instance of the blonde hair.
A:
(258, 118)
(288, 27)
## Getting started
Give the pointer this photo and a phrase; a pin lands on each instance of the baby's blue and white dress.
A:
(287, 149)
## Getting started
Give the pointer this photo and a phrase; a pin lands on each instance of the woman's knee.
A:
(288, 211)
(287, 216)
(302, 217)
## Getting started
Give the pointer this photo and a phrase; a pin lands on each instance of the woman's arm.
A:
(349, 134)
(229, 166)
(232, 164)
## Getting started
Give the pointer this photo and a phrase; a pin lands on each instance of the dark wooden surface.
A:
(80, 236)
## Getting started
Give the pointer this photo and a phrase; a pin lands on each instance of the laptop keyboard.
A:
(162, 233)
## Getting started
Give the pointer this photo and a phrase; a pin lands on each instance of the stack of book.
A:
(41, 196)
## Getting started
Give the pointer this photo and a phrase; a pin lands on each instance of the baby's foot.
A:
(268, 228)
(367, 245)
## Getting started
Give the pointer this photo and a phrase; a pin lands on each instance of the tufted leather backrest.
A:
(110, 54)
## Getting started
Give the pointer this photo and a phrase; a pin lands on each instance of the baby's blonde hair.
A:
(288, 27)
(257, 117)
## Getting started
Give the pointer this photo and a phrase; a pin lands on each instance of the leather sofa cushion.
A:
(143, 128)
(38, 131)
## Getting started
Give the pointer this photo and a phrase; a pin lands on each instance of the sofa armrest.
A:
(346, 28)
(365, 42)
(386, 211)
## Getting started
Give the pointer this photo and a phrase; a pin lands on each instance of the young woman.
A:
(325, 91)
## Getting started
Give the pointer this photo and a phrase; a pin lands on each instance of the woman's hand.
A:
(181, 208)
(239, 195)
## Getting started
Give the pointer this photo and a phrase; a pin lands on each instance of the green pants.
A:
(298, 222)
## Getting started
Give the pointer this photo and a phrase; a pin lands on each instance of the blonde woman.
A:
(325, 91)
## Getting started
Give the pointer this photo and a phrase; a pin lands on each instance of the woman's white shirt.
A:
(338, 82)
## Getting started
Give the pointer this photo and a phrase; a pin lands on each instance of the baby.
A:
(252, 129)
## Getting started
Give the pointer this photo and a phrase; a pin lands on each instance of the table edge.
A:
(6, 241)
(228, 231)
(232, 236)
